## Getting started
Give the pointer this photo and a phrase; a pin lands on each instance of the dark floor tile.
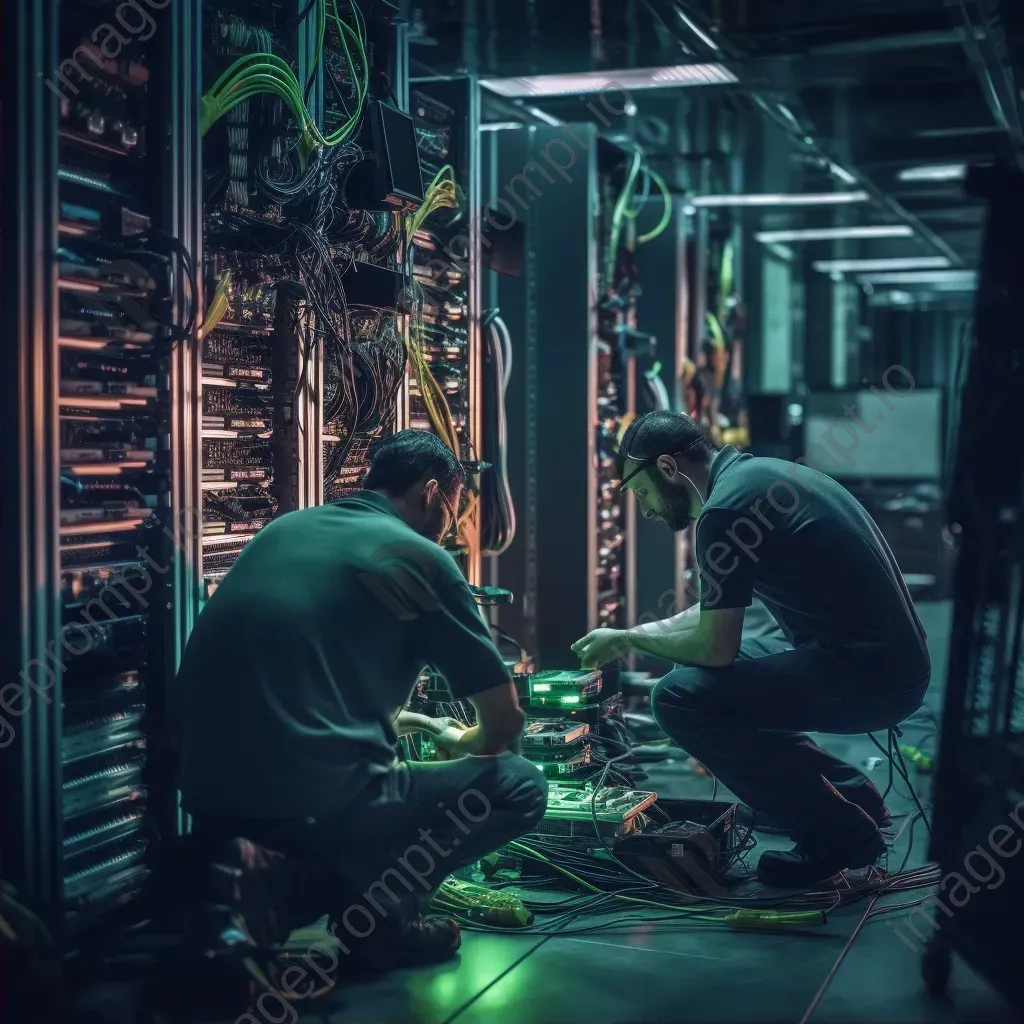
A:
(880, 980)
(643, 974)
(428, 996)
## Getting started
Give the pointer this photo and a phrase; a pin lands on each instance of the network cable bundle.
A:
(301, 338)
(620, 344)
(443, 370)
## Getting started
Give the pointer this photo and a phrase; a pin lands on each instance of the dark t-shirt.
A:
(307, 650)
(806, 547)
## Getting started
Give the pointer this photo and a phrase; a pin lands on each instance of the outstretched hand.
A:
(446, 735)
(600, 646)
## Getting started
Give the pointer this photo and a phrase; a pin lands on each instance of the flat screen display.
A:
(876, 435)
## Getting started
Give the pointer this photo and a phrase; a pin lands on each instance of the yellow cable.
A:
(219, 306)
(441, 193)
(666, 214)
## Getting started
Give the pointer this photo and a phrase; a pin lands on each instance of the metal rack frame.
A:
(980, 782)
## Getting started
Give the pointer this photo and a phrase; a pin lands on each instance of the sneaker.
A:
(423, 941)
(747, 817)
(803, 866)
(252, 883)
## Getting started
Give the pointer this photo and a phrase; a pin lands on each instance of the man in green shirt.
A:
(292, 695)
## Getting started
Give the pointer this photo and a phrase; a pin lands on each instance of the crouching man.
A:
(854, 660)
(291, 695)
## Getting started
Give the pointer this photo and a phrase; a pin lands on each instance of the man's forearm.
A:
(476, 741)
(685, 647)
(683, 623)
(409, 722)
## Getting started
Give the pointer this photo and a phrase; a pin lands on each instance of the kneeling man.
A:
(855, 658)
(292, 691)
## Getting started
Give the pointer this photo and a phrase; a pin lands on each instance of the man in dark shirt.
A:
(292, 695)
(855, 658)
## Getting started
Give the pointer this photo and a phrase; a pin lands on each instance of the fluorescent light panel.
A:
(794, 199)
(544, 116)
(842, 174)
(934, 172)
(832, 234)
(618, 82)
(943, 277)
(782, 252)
(866, 266)
(701, 35)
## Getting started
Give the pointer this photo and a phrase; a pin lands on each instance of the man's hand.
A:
(601, 646)
(447, 734)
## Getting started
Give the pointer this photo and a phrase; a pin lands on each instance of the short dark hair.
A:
(409, 456)
(663, 433)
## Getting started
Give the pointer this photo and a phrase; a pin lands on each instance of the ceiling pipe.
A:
(670, 14)
(985, 46)
(889, 44)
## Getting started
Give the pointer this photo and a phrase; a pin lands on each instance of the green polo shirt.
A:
(307, 650)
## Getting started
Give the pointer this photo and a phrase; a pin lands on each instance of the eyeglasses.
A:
(453, 516)
(643, 464)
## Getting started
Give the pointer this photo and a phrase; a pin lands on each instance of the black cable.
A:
(820, 994)
(913, 792)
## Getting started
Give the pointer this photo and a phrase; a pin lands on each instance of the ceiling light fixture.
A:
(697, 31)
(934, 172)
(543, 115)
(968, 278)
(782, 252)
(834, 234)
(867, 266)
(619, 82)
(794, 199)
(842, 174)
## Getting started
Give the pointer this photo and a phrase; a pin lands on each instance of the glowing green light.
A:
(574, 699)
(541, 687)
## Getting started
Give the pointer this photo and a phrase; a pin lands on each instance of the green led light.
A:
(574, 699)
(541, 687)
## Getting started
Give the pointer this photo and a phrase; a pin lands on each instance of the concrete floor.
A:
(647, 971)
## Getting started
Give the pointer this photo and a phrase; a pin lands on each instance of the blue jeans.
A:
(746, 724)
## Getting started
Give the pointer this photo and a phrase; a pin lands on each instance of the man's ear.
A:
(667, 467)
(430, 491)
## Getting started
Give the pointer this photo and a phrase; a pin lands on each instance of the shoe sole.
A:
(864, 856)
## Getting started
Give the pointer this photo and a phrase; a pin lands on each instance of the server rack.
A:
(99, 201)
(979, 792)
(663, 313)
(446, 275)
(571, 566)
(107, 402)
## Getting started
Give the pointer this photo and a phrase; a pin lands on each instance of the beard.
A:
(434, 528)
(676, 511)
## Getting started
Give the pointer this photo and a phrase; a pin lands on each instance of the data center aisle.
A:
(695, 972)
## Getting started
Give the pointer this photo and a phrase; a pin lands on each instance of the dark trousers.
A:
(746, 724)
(384, 855)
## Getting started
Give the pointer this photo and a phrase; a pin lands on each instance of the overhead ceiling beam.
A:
(886, 44)
(679, 24)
